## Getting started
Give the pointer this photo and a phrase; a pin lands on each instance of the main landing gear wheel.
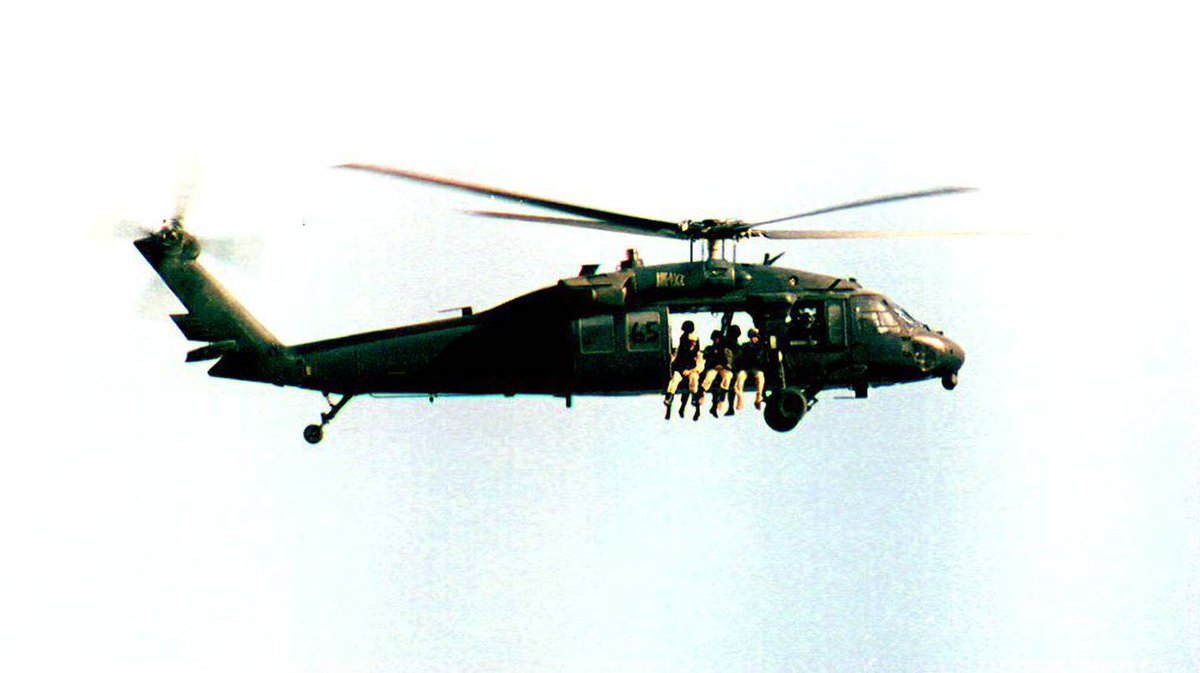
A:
(950, 381)
(314, 433)
(785, 408)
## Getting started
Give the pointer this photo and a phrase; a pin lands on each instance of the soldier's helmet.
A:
(688, 327)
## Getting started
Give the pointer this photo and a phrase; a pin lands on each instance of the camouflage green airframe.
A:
(593, 334)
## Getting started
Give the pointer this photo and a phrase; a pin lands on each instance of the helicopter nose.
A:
(953, 358)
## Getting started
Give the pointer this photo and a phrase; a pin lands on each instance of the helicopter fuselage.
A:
(607, 333)
(592, 334)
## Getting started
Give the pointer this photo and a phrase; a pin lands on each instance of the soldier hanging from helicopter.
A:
(711, 356)
(753, 359)
(685, 365)
(718, 359)
(732, 351)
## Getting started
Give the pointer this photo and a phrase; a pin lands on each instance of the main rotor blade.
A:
(829, 234)
(630, 223)
(571, 222)
(888, 198)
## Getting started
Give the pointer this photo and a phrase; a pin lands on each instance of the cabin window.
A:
(837, 324)
(806, 324)
(643, 331)
(596, 334)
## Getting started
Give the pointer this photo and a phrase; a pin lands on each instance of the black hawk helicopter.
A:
(594, 334)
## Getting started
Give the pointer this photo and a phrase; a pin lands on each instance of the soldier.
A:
(713, 356)
(685, 365)
(729, 376)
(804, 326)
(719, 362)
(752, 364)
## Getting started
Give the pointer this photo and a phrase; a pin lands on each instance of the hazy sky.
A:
(1043, 516)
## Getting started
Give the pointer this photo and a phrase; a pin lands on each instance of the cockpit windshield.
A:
(884, 316)
(906, 317)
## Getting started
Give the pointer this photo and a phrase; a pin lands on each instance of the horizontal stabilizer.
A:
(212, 351)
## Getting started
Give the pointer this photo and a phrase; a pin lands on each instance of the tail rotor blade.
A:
(130, 230)
(241, 251)
(181, 206)
(184, 192)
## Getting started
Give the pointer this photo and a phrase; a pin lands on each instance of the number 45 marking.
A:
(644, 331)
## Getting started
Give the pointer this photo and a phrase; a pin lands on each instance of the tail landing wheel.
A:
(314, 433)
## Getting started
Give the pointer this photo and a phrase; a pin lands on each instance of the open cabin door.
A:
(622, 352)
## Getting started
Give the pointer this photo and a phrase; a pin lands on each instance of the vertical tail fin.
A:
(245, 349)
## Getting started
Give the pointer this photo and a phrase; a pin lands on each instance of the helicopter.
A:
(597, 333)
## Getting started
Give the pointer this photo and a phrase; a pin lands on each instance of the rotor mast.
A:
(713, 248)
(714, 235)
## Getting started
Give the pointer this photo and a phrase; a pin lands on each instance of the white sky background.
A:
(1045, 515)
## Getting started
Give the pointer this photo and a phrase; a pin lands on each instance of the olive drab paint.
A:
(592, 334)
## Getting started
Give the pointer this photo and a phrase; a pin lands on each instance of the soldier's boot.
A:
(696, 402)
(683, 401)
(718, 398)
(667, 399)
(730, 396)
